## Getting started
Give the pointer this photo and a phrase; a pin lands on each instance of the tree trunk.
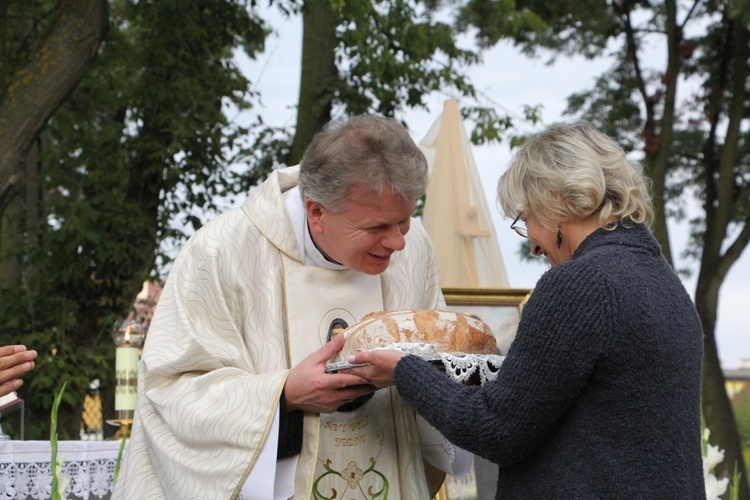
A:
(715, 262)
(37, 89)
(318, 68)
(19, 225)
(717, 409)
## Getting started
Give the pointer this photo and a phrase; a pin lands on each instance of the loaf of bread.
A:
(448, 331)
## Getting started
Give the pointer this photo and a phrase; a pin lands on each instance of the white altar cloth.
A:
(25, 468)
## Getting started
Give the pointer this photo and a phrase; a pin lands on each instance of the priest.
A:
(233, 397)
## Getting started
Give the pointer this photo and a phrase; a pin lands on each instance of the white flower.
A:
(62, 482)
(714, 456)
(715, 487)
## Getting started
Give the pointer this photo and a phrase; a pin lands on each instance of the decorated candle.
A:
(128, 337)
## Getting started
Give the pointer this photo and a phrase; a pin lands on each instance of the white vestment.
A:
(218, 353)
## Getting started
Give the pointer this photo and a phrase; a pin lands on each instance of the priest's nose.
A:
(394, 239)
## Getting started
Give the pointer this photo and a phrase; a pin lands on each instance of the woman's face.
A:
(543, 241)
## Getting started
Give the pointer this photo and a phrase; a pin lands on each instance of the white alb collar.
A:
(311, 256)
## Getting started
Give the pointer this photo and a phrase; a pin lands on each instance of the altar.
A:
(89, 466)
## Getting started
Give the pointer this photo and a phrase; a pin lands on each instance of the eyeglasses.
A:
(521, 230)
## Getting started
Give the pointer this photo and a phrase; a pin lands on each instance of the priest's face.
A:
(363, 235)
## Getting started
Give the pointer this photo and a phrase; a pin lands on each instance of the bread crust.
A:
(448, 331)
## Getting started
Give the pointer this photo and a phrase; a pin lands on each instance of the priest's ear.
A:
(315, 212)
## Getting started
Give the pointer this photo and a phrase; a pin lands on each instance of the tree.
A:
(143, 136)
(41, 72)
(382, 57)
(687, 119)
(315, 103)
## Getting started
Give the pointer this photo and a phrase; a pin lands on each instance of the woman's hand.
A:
(379, 371)
(15, 360)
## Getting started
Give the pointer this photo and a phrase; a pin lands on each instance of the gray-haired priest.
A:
(233, 398)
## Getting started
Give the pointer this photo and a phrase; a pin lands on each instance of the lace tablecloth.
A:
(25, 468)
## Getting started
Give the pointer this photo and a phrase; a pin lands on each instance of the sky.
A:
(508, 80)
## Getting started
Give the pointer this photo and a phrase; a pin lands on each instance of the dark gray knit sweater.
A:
(599, 396)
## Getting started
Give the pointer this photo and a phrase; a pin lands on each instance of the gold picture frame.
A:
(486, 296)
(501, 309)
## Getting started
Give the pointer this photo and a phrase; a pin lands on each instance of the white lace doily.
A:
(461, 367)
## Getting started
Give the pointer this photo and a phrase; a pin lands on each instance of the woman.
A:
(599, 395)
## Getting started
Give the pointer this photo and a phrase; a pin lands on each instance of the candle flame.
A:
(126, 335)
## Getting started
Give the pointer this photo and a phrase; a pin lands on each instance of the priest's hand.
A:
(308, 387)
(379, 368)
(15, 360)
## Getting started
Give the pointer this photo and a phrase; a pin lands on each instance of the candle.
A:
(128, 337)
(126, 368)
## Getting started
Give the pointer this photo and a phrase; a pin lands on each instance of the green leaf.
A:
(53, 443)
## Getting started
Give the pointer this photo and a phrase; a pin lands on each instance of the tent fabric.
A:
(456, 214)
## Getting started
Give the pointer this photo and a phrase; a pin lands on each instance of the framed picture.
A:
(501, 310)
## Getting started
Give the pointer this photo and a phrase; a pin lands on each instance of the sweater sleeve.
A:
(563, 331)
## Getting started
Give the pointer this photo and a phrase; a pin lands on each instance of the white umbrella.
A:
(456, 215)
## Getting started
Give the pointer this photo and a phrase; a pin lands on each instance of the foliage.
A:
(142, 138)
(392, 54)
(384, 57)
(675, 96)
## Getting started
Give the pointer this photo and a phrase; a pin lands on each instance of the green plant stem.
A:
(119, 453)
(53, 442)
(734, 488)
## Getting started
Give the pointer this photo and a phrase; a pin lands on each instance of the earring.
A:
(559, 236)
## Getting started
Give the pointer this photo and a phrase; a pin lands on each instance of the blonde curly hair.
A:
(573, 171)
